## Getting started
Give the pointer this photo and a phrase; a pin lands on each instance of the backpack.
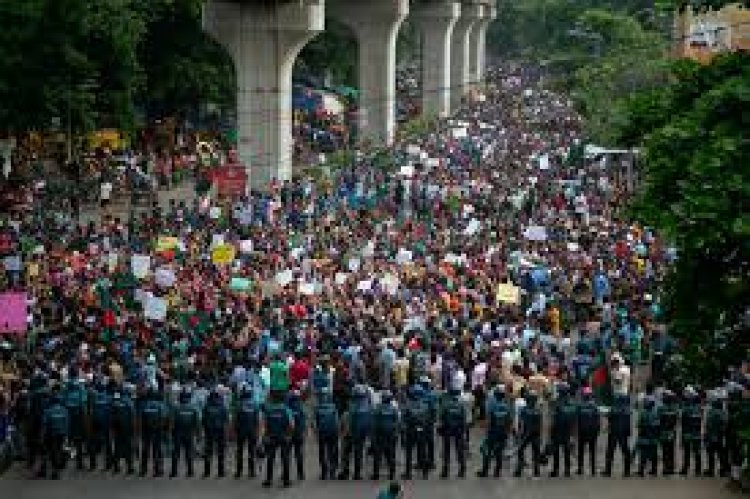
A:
(455, 417)
(277, 420)
(247, 416)
(498, 418)
(74, 399)
(121, 415)
(327, 420)
(418, 414)
(100, 407)
(385, 420)
(361, 421)
(214, 417)
(57, 421)
(151, 415)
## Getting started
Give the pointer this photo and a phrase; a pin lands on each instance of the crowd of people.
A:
(484, 276)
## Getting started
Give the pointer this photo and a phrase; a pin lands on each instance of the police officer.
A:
(498, 425)
(298, 435)
(123, 414)
(716, 424)
(668, 415)
(153, 414)
(357, 431)
(100, 437)
(589, 425)
(531, 432)
(38, 401)
(277, 429)
(214, 428)
(620, 422)
(74, 398)
(735, 422)
(54, 429)
(453, 429)
(184, 427)
(386, 422)
(327, 426)
(417, 421)
(431, 399)
(648, 435)
(247, 422)
(691, 431)
(562, 429)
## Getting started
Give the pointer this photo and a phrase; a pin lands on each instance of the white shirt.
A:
(479, 375)
(105, 191)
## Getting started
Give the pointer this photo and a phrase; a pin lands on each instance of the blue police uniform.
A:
(100, 436)
(214, 427)
(184, 426)
(327, 425)
(499, 420)
(153, 413)
(385, 430)
(123, 415)
(246, 421)
(279, 425)
(55, 429)
(453, 429)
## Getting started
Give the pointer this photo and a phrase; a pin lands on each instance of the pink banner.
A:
(12, 312)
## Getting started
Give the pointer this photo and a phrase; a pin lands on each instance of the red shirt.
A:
(298, 372)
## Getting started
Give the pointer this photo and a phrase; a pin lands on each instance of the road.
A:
(16, 484)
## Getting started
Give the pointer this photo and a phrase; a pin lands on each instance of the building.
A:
(701, 35)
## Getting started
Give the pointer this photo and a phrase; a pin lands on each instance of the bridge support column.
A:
(461, 53)
(263, 41)
(436, 22)
(375, 24)
(478, 45)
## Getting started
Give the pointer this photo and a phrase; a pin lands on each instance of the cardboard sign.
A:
(164, 277)
(535, 233)
(13, 313)
(223, 254)
(165, 243)
(240, 284)
(155, 308)
(508, 293)
(140, 265)
(283, 278)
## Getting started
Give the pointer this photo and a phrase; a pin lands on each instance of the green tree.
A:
(697, 192)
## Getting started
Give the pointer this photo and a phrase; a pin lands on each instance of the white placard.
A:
(155, 308)
(246, 246)
(364, 285)
(403, 256)
(140, 266)
(284, 277)
(535, 233)
(164, 277)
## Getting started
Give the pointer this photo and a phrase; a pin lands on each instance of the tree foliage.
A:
(697, 190)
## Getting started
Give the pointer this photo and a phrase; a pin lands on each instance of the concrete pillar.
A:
(460, 53)
(375, 24)
(263, 41)
(478, 45)
(435, 22)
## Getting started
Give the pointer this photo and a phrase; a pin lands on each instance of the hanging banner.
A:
(230, 180)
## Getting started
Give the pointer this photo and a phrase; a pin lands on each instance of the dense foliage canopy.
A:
(697, 190)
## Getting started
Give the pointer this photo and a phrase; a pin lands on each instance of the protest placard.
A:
(13, 312)
(508, 293)
(140, 266)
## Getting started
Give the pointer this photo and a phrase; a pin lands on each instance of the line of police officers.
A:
(277, 428)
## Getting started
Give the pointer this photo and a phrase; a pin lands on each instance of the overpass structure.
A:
(264, 37)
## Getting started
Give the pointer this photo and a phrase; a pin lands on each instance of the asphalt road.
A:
(17, 484)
